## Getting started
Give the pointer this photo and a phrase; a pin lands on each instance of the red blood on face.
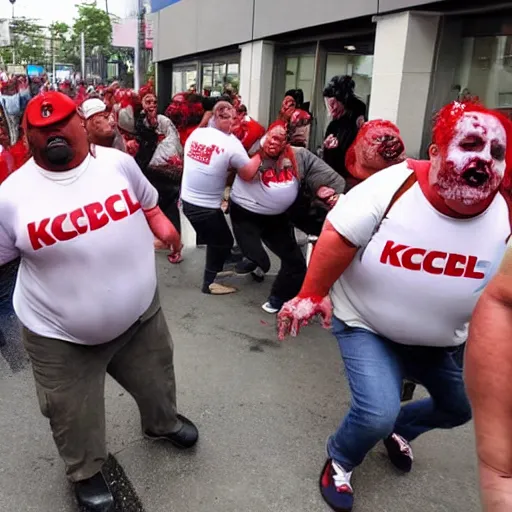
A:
(275, 141)
(378, 145)
(470, 168)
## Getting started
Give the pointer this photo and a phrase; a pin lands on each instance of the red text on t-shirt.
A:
(203, 153)
(431, 262)
(90, 217)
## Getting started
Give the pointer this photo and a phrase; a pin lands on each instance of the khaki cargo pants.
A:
(70, 385)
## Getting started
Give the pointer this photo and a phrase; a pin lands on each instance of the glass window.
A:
(300, 73)
(485, 71)
(184, 78)
(216, 75)
(360, 67)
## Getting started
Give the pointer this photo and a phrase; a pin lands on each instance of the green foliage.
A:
(28, 41)
(95, 24)
(35, 44)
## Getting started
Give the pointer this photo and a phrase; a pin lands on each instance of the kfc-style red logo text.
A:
(271, 176)
(431, 262)
(203, 153)
(91, 217)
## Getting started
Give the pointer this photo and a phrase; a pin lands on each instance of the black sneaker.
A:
(399, 452)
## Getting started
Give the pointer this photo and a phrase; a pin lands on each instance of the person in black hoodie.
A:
(348, 114)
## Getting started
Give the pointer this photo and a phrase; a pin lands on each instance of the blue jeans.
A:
(375, 368)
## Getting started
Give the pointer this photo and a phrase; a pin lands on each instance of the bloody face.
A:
(100, 129)
(471, 168)
(223, 115)
(275, 142)
(288, 107)
(335, 107)
(149, 104)
(377, 147)
(61, 146)
(176, 109)
(239, 125)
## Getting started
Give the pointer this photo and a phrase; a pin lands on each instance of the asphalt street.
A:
(264, 410)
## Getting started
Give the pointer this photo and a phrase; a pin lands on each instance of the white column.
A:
(405, 46)
(256, 68)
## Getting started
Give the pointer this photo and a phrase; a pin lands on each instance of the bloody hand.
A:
(328, 196)
(331, 142)
(299, 311)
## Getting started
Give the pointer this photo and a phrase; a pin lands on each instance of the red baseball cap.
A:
(49, 108)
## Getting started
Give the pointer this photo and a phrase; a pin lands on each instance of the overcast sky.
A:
(64, 10)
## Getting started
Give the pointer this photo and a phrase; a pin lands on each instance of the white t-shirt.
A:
(417, 279)
(87, 268)
(269, 193)
(209, 154)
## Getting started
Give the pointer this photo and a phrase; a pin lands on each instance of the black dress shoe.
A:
(186, 437)
(94, 495)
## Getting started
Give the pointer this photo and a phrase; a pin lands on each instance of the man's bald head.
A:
(223, 116)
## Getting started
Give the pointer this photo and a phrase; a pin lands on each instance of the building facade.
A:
(407, 57)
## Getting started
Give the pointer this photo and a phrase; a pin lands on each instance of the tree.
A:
(29, 43)
(96, 25)
(64, 48)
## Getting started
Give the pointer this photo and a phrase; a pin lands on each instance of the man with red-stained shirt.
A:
(83, 223)
(405, 256)
(261, 211)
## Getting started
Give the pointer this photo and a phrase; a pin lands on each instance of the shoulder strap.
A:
(406, 185)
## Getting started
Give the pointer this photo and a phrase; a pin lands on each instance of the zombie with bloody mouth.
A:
(83, 223)
(405, 256)
(163, 161)
(295, 118)
(378, 146)
(348, 113)
(260, 211)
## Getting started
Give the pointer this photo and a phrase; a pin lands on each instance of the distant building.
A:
(407, 57)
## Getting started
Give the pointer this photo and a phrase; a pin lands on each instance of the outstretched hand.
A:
(298, 312)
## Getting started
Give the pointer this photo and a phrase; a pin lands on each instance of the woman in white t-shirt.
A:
(210, 153)
(405, 256)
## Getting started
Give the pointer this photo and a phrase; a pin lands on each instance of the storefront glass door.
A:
(311, 67)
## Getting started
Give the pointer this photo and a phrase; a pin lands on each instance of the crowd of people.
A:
(405, 250)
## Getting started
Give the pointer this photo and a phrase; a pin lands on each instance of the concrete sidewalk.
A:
(264, 409)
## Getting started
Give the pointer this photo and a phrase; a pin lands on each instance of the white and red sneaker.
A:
(335, 487)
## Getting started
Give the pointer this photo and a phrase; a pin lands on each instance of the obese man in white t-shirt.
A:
(405, 256)
(83, 220)
(210, 153)
(259, 211)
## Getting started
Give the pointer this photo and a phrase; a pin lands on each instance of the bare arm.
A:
(332, 255)
(488, 375)
(249, 171)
